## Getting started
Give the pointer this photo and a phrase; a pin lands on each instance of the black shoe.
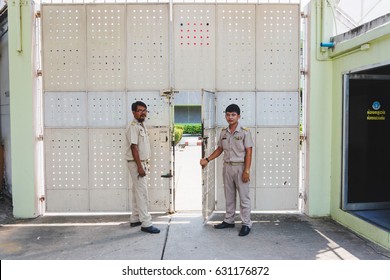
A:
(244, 231)
(223, 225)
(150, 229)
(136, 224)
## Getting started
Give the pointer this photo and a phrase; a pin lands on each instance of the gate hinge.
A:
(40, 137)
(38, 14)
(39, 73)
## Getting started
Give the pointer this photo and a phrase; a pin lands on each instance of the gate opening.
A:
(188, 187)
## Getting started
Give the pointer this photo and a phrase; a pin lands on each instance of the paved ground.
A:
(183, 236)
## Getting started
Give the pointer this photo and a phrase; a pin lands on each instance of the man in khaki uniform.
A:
(236, 143)
(138, 155)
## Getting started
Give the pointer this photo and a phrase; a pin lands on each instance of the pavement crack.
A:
(166, 238)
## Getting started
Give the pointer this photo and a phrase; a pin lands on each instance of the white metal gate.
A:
(99, 58)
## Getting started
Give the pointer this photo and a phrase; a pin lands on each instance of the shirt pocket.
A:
(225, 143)
(238, 143)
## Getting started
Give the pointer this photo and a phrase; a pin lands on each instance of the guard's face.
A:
(140, 113)
(232, 117)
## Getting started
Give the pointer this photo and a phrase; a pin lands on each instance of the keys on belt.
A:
(234, 163)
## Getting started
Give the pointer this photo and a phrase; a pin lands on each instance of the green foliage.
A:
(193, 129)
(178, 133)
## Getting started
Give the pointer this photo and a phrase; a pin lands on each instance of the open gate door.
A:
(208, 146)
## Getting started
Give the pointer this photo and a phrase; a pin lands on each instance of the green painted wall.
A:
(377, 53)
(21, 111)
(319, 104)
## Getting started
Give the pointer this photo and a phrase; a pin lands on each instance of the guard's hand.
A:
(245, 177)
(203, 162)
(141, 172)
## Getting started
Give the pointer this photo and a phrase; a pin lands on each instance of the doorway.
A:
(365, 145)
(188, 187)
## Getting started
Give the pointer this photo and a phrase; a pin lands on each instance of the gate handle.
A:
(168, 175)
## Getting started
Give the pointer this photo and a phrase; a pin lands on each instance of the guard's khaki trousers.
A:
(140, 199)
(232, 180)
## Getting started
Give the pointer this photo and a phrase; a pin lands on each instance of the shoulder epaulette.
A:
(245, 128)
(133, 123)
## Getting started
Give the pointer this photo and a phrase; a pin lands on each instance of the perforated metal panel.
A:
(208, 176)
(107, 166)
(160, 165)
(194, 46)
(187, 97)
(277, 47)
(158, 107)
(108, 172)
(245, 100)
(277, 108)
(236, 47)
(277, 168)
(66, 169)
(65, 109)
(148, 47)
(106, 47)
(208, 109)
(64, 58)
(107, 109)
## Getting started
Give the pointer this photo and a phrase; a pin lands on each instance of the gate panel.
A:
(245, 100)
(277, 47)
(277, 108)
(66, 171)
(63, 40)
(148, 47)
(65, 109)
(209, 176)
(277, 168)
(194, 46)
(108, 172)
(208, 146)
(160, 165)
(158, 107)
(236, 47)
(107, 109)
(106, 50)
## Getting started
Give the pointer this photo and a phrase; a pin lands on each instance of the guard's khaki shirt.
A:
(137, 134)
(234, 143)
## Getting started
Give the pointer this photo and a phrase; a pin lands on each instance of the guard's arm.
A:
(135, 152)
(247, 165)
(204, 161)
